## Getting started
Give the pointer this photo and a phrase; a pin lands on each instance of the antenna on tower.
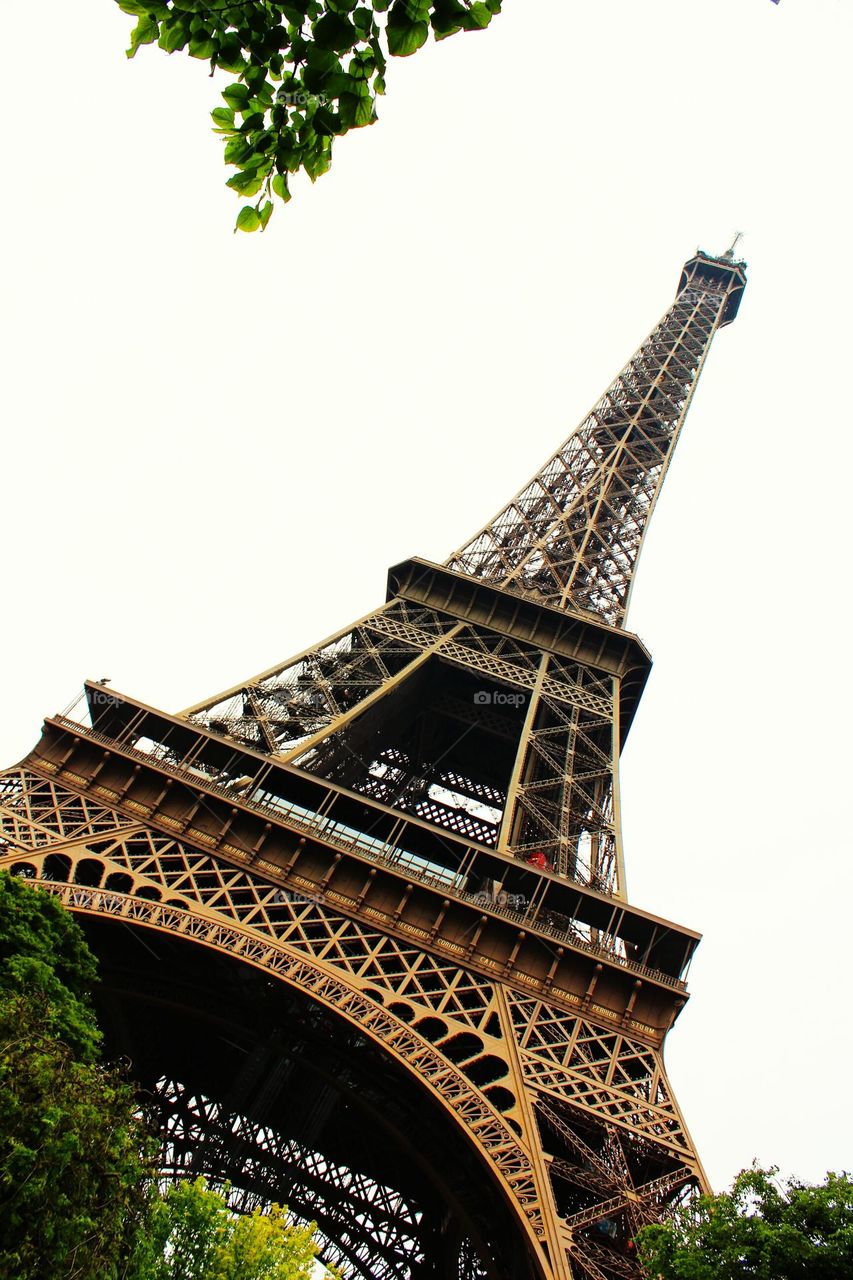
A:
(730, 252)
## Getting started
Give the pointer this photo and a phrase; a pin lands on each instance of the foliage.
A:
(43, 953)
(77, 1195)
(760, 1230)
(73, 1171)
(195, 1236)
(304, 72)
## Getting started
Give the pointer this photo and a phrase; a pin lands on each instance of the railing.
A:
(314, 824)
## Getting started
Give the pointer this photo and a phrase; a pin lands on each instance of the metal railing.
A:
(347, 839)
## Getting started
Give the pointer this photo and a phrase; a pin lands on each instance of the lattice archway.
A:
(567, 1122)
(103, 867)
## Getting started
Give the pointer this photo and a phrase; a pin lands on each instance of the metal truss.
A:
(573, 534)
(366, 709)
(383, 883)
(548, 791)
(577, 1121)
(365, 1228)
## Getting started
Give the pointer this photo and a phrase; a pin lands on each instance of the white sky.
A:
(217, 444)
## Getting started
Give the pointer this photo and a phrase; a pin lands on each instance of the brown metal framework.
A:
(362, 918)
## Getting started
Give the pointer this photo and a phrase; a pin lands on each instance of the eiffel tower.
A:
(362, 919)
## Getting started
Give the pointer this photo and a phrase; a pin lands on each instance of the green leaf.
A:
(280, 187)
(223, 118)
(258, 159)
(204, 48)
(334, 31)
(362, 64)
(263, 96)
(378, 53)
(416, 10)
(255, 76)
(479, 14)
(356, 110)
(327, 122)
(317, 162)
(405, 35)
(174, 35)
(322, 60)
(252, 122)
(447, 18)
(445, 24)
(237, 150)
(248, 219)
(246, 184)
(236, 95)
(265, 213)
(261, 143)
(230, 54)
(146, 31)
(144, 8)
(289, 158)
(336, 83)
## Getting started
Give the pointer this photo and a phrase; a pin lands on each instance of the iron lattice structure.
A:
(362, 918)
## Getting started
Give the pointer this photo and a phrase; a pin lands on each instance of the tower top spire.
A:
(730, 252)
(572, 535)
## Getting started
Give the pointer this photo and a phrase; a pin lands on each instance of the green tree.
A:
(74, 1181)
(195, 1236)
(761, 1230)
(43, 955)
(78, 1197)
(303, 73)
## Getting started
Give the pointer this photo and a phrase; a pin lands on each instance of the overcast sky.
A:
(217, 444)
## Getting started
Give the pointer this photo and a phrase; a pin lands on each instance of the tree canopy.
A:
(78, 1193)
(763, 1229)
(303, 72)
(74, 1156)
(195, 1236)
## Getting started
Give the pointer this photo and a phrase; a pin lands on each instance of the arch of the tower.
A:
(432, 1122)
(267, 1073)
(256, 1083)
